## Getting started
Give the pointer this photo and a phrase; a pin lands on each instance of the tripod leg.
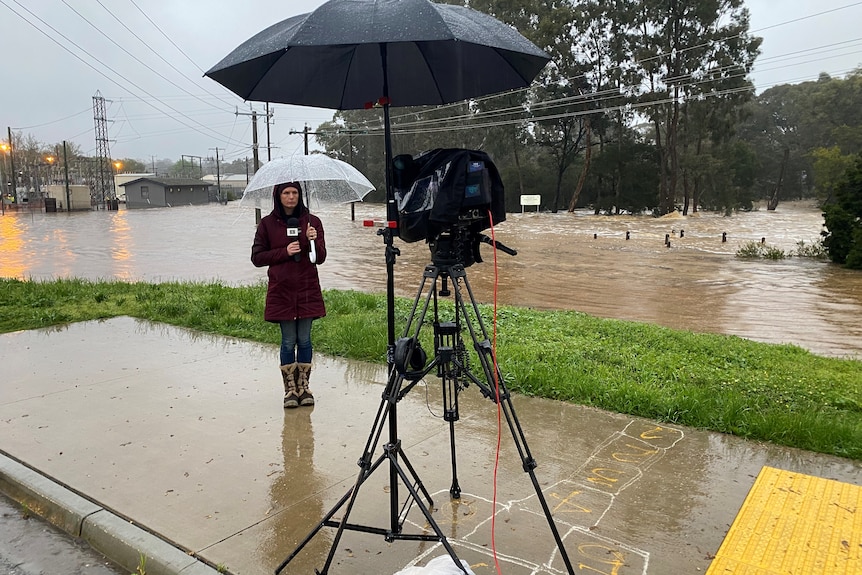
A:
(426, 512)
(530, 465)
(314, 532)
(445, 335)
(495, 389)
(392, 452)
(455, 489)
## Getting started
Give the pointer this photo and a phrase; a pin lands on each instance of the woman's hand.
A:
(293, 248)
(311, 233)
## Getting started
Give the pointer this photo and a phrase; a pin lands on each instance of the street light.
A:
(4, 147)
(50, 160)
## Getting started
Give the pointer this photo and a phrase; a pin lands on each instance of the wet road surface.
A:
(31, 546)
(185, 433)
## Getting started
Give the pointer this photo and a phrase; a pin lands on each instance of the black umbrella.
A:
(350, 54)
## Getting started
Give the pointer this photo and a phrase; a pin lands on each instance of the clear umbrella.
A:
(325, 180)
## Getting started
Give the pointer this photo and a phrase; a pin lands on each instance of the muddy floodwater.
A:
(565, 261)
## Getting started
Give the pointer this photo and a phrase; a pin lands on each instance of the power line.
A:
(138, 60)
(84, 111)
(645, 60)
(168, 38)
(100, 72)
(159, 56)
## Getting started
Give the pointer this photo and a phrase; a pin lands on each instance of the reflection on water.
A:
(565, 261)
(11, 236)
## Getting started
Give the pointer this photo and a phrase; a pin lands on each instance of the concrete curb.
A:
(114, 537)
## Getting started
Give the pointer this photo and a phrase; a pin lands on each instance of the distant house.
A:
(232, 186)
(153, 192)
(120, 179)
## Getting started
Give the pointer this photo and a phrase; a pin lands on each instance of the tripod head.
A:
(459, 244)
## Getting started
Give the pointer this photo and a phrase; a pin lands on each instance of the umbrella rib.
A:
(346, 75)
(421, 46)
(247, 96)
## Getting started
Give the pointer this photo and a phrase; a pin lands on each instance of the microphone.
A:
(293, 235)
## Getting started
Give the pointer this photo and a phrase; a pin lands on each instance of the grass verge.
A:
(777, 393)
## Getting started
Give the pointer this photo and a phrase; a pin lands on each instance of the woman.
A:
(293, 298)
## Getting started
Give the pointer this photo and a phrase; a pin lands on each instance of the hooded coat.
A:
(293, 291)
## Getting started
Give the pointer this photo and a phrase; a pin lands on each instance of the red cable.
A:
(497, 396)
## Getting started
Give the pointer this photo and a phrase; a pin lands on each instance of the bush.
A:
(753, 250)
(843, 238)
(815, 250)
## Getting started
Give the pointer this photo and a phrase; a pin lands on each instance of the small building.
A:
(153, 192)
(232, 186)
(120, 179)
(77, 198)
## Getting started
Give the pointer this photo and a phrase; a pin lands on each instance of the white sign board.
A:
(531, 200)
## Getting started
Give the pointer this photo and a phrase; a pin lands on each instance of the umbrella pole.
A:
(389, 233)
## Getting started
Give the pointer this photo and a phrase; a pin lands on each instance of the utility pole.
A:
(268, 148)
(306, 132)
(12, 162)
(254, 147)
(66, 175)
(200, 163)
(218, 174)
(4, 181)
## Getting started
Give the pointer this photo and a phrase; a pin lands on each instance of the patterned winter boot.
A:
(288, 375)
(304, 372)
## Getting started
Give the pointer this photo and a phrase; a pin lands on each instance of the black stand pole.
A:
(407, 368)
(398, 470)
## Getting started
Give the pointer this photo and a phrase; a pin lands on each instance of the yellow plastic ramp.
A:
(794, 524)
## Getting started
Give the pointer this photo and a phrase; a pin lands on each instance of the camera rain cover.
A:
(443, 187)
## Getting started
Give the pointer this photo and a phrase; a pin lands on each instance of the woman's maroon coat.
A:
(294, 287)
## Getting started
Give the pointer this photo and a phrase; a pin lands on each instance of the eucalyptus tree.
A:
(773, 129)
(604, 39)
(551, 110)
(830, 167)
(356, 137)
(795, 127)
(689, 52)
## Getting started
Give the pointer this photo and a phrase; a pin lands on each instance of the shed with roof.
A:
(154, 192)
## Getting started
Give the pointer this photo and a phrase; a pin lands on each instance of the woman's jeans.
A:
(296, 335)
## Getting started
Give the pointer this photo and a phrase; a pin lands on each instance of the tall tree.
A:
(689, 51)
(557, 102)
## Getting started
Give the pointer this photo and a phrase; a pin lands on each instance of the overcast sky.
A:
(57, 54)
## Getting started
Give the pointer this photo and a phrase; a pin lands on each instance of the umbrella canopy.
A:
(324, 179)
(348, 54)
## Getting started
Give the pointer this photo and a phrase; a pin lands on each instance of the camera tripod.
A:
(408, 365)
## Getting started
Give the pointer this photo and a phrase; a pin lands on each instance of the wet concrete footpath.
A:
(145, 439)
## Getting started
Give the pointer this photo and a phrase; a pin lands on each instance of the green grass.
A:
(777, 393)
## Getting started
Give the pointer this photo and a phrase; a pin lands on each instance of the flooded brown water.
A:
(565, 261)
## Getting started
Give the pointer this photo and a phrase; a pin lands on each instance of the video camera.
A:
(447, 197)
